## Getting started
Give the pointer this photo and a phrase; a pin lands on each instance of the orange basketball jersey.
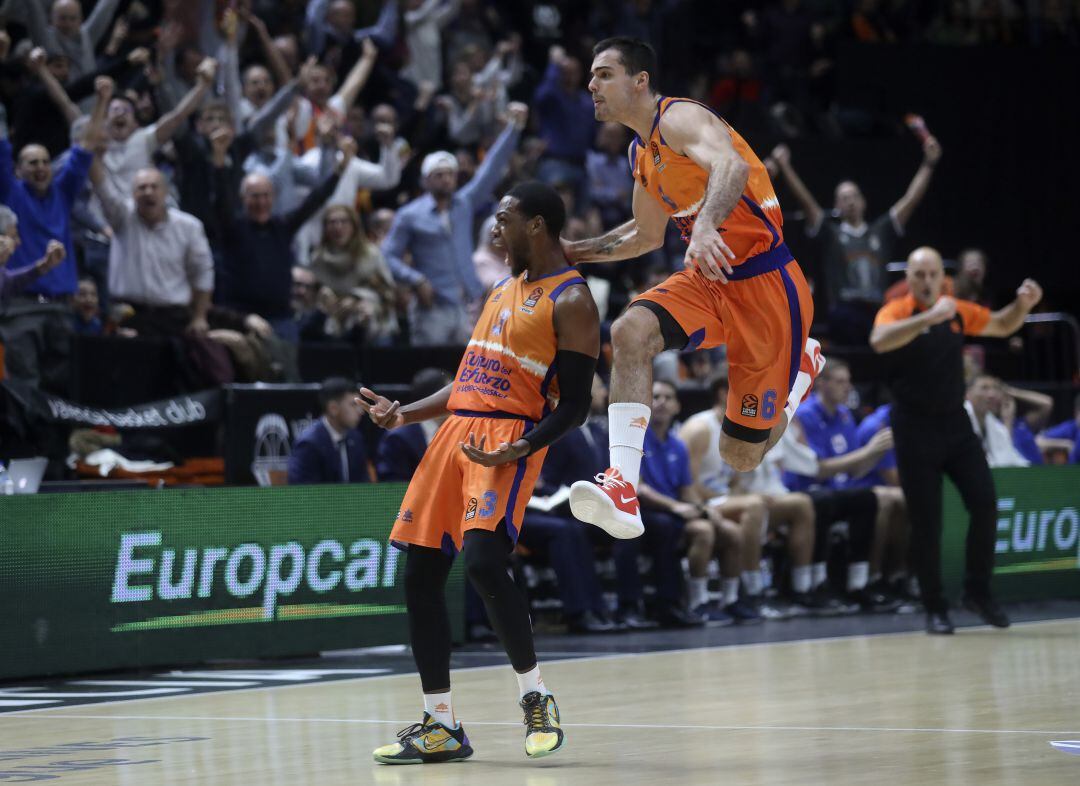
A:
(754, 226)
(509, 364)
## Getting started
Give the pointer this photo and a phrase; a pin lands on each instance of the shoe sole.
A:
(387, 760)
(542, 754)
(590, 505)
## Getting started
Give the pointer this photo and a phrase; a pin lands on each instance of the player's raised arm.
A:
(640, 235)
(390, 414)
(693, 131)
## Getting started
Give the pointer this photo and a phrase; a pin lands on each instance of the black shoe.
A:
(631, 619)
(743, 613)
(479, 633)
(909, 601)
(987, 609)
(821, 603)
(589, 622)
(874, 601)
(678, 617)
(938, 622)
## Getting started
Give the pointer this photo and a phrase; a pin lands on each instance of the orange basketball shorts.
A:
(449, 494)
(764, 320)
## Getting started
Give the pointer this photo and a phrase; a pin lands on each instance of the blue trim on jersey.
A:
(796, 326)
(551, 372)
(757, 210)
(760, 264)
(558, 272)
(569, 282)
(515, 487)
(632, 152)
(501, 283)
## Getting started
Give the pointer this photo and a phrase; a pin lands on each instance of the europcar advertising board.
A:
(139, 578)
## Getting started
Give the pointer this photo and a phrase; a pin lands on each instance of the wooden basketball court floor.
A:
(980, 708)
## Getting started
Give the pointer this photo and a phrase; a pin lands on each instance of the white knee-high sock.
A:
(627, 423)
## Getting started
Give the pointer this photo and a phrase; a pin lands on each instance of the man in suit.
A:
(331, 450)
(402, 448)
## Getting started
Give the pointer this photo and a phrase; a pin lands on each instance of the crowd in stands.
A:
(244, 178)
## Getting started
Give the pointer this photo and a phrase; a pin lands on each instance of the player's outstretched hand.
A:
(709, 254)
(382, 411)
(504, 454)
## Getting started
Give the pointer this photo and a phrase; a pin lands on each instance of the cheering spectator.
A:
(424, 21)
(564, 112)
(65, 32)
(331, 450)
(256, 269)
(353, 268)
(1024, 428)
(159, 261)
(437, 230)
(14, 281)
(318, 83)
(970, 284)
(855, 252)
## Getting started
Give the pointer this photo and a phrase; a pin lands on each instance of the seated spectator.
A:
(1024, 428)
(1063, 437)
(402, 448)
(674, 518)
(331, 450)
(826, 424)
(984, 398)
(86, 309)
(752, 504)
(257, 258)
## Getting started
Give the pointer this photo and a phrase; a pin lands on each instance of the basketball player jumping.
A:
(741, 286)
(534, 346)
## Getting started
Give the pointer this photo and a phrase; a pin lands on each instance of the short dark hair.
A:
(634, 54)
(332, 389)
(539, 199)
(427, 382)
(669, 382)
(835, 364)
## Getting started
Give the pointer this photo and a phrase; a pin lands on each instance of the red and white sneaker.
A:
(610, 504)
(811, 364)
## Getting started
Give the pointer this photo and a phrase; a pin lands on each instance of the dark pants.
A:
(37, 343)
(928, 448)
(663, 533)
(570, 553)
(858, 507)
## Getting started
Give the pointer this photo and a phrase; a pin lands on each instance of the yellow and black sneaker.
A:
(542, 733)
(427, 742)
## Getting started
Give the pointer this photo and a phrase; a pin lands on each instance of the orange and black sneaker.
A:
(426, 742)
(542, 733)
(610, 503)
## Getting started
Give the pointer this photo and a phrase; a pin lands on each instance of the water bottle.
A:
(7, 485)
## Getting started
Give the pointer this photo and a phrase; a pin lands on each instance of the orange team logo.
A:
(441, 708)
(640, 423)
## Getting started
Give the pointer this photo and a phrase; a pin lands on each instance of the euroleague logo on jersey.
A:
(749, 405)
(530, 302)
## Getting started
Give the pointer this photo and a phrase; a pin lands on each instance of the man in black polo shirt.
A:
(922, 336)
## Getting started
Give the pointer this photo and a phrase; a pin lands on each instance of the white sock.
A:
(800, 579)
(857, 575)
(626, 434)
(753, 582)
(697, 591)
(798, 390)
(531, 681)
(731, 591)
(440, 708)
(819, 573)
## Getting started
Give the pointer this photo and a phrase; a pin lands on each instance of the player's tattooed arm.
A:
(640, 235)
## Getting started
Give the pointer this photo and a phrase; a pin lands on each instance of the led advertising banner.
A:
(1038, 534)
(109, 580)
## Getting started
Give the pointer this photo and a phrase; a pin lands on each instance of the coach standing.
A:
(922, 337)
